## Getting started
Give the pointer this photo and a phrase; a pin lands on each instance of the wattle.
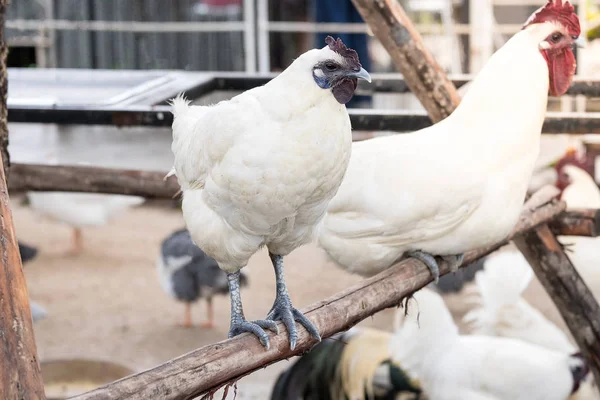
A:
(344, 90)
(561, 66)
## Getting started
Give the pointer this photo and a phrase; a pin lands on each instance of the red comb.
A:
(556, 11)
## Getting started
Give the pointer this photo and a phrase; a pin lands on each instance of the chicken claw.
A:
(454, 261)
(429, 262)
(283, 310)
(238, 322)
(255, 327)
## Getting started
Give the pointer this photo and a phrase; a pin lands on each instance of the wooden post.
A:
(574, 300)
(422, 73)
(20, 376)
(581, 222)
(209, 367)
(3, 92)
(148, 184)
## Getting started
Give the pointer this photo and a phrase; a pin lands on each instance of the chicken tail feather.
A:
(179, 104)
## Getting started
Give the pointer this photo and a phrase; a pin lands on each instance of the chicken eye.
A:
(555, 38)
(331, 66)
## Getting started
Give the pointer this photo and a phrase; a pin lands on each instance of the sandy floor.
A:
(107, 302)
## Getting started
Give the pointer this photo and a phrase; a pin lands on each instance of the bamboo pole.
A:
(20, 375)
(423, 75)
(209, 367)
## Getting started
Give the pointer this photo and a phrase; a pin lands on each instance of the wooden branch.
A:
(561, 280)
(20, 374)
(3, 93)
(211, 366)
(92, 179)
(422, 73)
(584, 222)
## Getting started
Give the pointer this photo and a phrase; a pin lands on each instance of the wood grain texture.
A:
(581, 222)
(572, 297)
(211, 366)
(422, 73)
(3, 92)
(20, 375)
(92, 179)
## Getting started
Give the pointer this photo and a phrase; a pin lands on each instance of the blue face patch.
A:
(322, 81)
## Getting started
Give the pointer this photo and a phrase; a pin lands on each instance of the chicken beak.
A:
(362, 74)
(580, 42)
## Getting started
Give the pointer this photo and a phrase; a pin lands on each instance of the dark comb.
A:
(351, 56)
(559, 11)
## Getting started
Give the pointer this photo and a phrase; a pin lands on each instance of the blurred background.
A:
(94, 269)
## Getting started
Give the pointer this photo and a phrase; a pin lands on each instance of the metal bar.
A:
(264, 58)
(385, 83)
(362, 119)
(249, 36)
(125, 26)
(270, 26)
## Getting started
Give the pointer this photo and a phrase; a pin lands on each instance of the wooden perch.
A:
(423, 75)
(20, 375)
(91, 179)
(3, 92)
(561, 280)
(584, 222)
(211, 366)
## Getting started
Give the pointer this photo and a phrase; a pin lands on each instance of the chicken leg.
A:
(431, 263)
(283, 310)
(77, 242)
(210, 319)
(238, 321)
(187, 316)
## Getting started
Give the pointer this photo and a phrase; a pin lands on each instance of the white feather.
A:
(81, 209)
(503, 312)
(455, 186)
(260, 169)
(450, 366)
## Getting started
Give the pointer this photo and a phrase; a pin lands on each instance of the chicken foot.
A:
(238, 321)
(430, 262)
(283, 310)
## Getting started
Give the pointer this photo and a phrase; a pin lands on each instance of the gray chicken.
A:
(187, 274)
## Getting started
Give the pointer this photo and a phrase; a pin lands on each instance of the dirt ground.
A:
(107, 303)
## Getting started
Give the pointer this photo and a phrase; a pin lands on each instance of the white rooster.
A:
(459, 184)
(260, 169)
(450, 366)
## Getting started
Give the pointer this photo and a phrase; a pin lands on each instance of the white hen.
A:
(259, 170)
(450, 366)
(459, 184)
(503, 312)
